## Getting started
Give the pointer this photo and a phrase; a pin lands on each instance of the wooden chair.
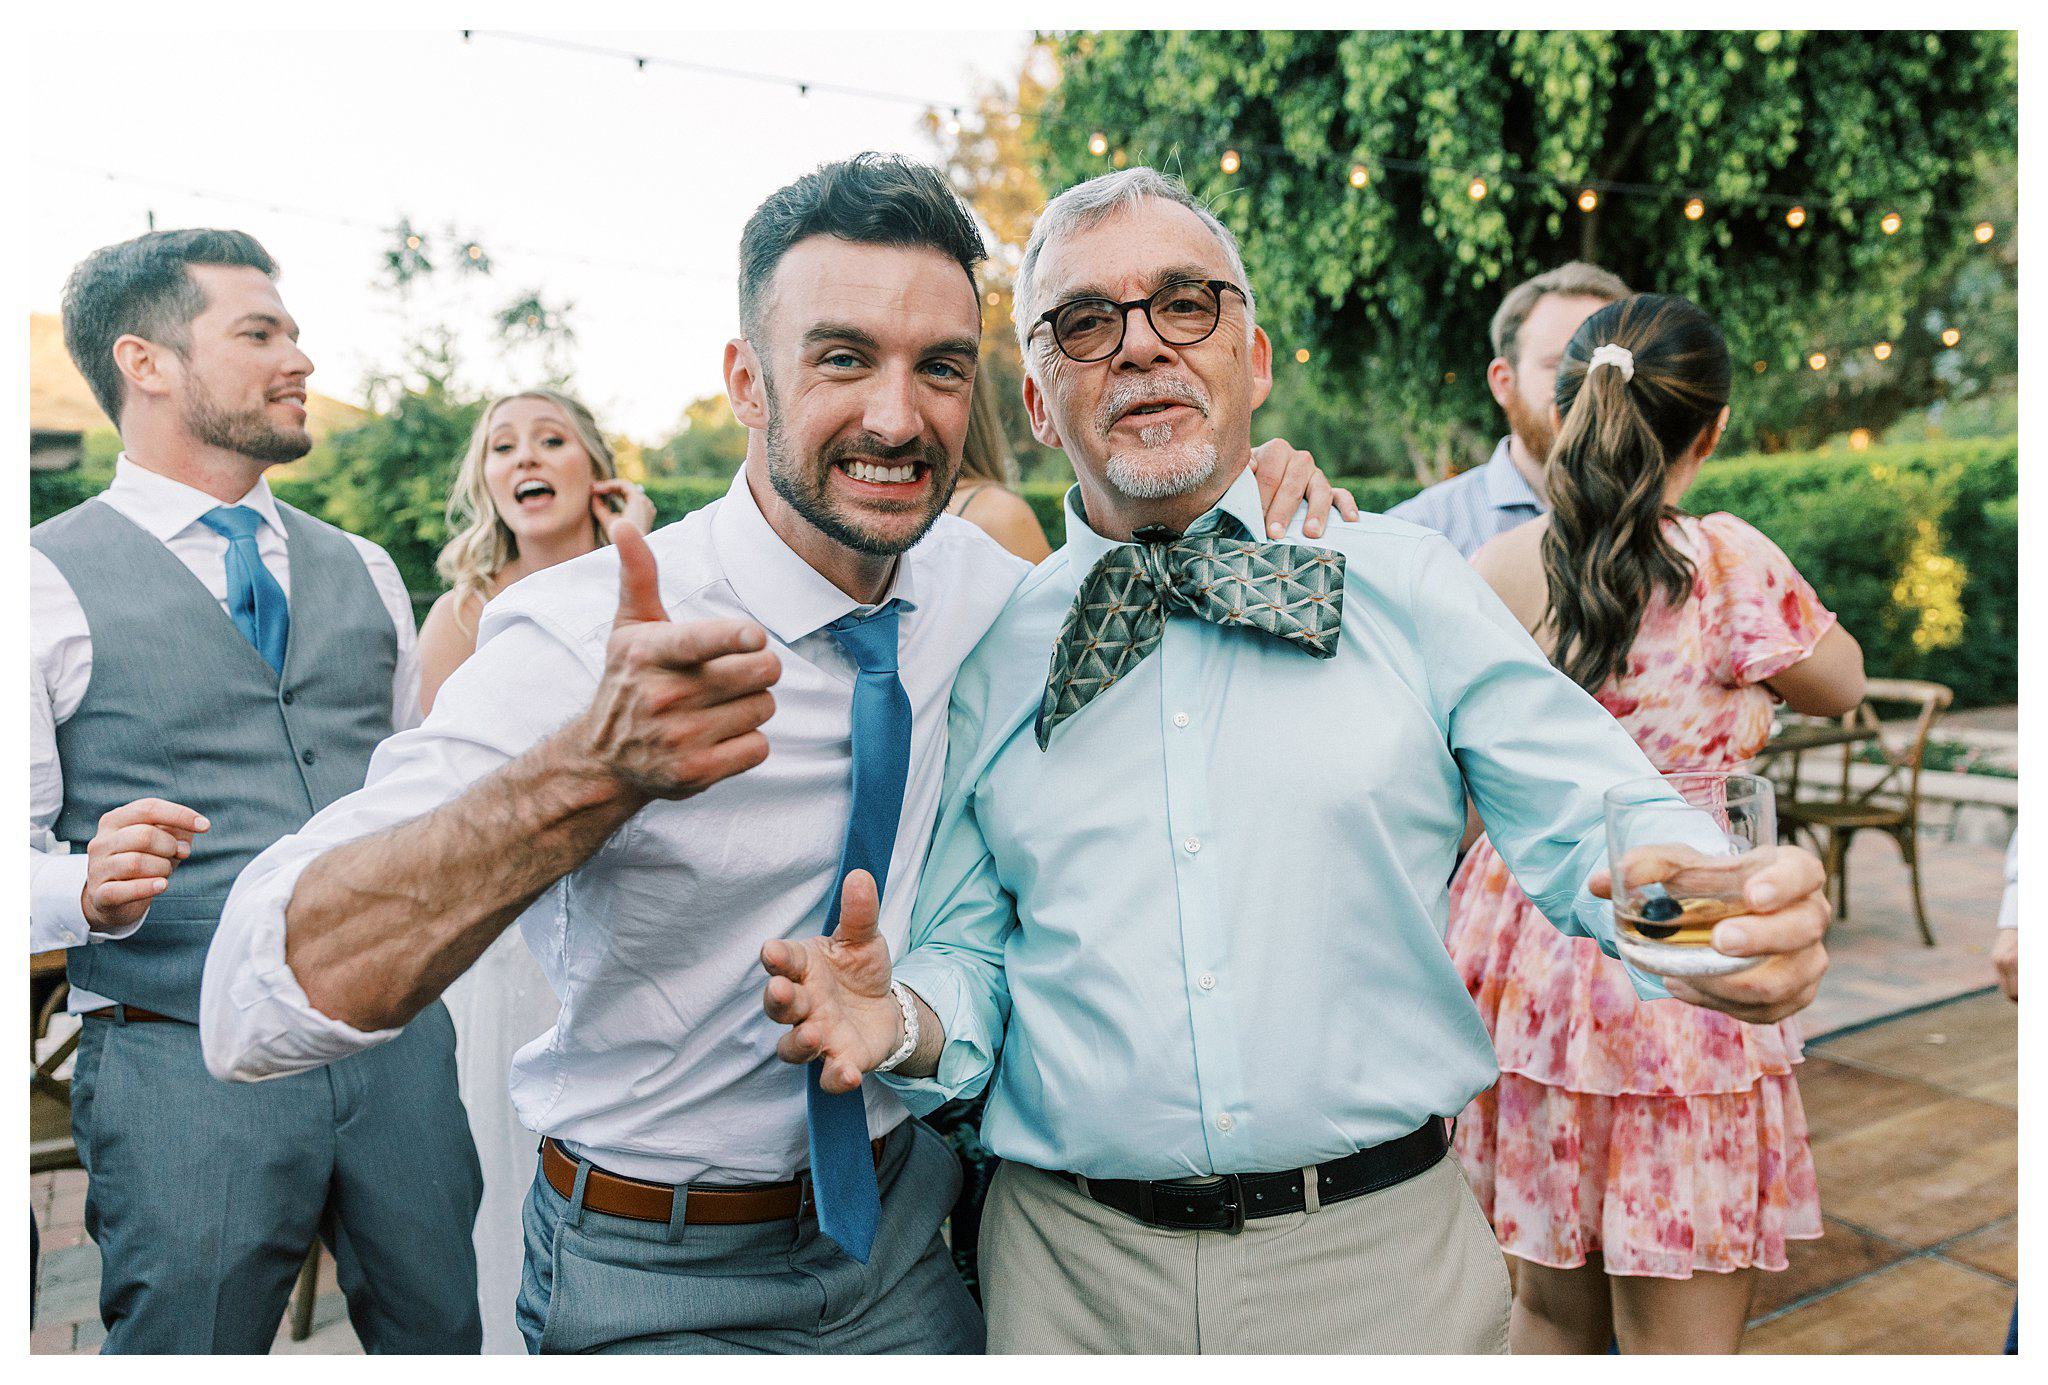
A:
(1890, 802)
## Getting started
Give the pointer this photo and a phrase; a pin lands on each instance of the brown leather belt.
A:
(130, 1014)
(642, 1201)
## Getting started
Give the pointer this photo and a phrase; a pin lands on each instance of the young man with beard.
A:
(693, 1193)
(1198, 953)
(1530, 331)
(209, 667)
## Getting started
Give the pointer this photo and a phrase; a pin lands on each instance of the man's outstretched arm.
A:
(375, 927)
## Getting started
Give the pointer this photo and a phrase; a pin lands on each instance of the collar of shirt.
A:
(166, 508)
(1506, 488)
(1085, 547)
(782, 591)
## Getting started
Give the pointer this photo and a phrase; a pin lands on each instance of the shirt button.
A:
(1180, 718)
(1224, 1122)
(69, 936)
(308, 757)
(286, 697)
(1206, 982)
(1193, 844)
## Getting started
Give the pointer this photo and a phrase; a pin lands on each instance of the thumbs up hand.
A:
(680, 704)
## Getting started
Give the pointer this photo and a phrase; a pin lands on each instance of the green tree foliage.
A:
(1392, 284)
(708, 441)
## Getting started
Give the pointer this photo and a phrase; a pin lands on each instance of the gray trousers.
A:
(203, 1195)
(1411, 1268)
(600, 1283)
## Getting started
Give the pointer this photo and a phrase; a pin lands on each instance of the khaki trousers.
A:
(1411, 1268)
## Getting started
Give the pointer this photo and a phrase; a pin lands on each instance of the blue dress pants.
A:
(600, 1283)
(203, 1195)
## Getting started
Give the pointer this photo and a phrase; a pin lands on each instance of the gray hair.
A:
(1086, 204)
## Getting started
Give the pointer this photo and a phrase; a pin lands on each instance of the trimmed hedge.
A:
(1914, 546)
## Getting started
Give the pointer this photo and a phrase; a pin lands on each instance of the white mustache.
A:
(1129, 391)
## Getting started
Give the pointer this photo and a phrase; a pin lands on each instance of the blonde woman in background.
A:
(537, 486)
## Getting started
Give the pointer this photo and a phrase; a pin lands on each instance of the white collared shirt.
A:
(60, 669)
(662, 1065)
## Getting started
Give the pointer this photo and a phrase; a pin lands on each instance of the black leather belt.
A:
(1225, 1204)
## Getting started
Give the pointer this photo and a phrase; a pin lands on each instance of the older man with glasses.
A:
(1188, 883)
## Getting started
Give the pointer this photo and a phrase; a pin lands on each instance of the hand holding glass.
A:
(1681, 849)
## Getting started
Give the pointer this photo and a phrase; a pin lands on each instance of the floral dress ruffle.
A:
(1663, 1137)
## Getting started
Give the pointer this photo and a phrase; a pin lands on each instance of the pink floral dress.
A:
(1661, 1136)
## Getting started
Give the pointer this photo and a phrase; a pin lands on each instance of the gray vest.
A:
(181, 706)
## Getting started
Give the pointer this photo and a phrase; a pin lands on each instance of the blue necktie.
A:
(842, 1165)
(255, 601)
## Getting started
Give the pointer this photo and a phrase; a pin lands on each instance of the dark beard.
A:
(803, 488)
(247, 434)
(1532, 426)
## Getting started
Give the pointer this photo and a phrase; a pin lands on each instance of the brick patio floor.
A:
(1912, 1112)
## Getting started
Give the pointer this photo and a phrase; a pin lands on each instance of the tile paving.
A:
(1910, 1087)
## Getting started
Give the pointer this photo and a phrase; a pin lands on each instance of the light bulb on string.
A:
(1761, 366)
(803, 94)
(1984, 232)
(1098, 144)
(1859, 439)
(1883, 351)
(476, 252)
(1796, 217)
(1891, 223)
(953, 124)
(1117, 158)
(1950, 336)
(413, 242)
(1588, 199)
(1359, 175)
(1817, 361)
(1302, 355)
(1476, 189)
(1695, 209)
(1230, 163)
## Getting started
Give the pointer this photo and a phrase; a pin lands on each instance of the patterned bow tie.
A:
(1288, 590)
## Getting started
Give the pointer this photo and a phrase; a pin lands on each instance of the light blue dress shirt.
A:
(1474, 505)
(1203, 931)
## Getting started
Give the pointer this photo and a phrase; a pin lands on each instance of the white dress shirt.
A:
(662, 1065)
(60, 668)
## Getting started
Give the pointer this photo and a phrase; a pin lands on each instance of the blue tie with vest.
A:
(842, 1165)
(255, 601)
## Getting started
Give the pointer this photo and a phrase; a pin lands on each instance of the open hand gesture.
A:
(834, 992)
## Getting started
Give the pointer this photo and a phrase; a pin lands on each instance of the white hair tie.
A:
(1616, 356)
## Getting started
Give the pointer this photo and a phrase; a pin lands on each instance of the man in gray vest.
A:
(209, 668)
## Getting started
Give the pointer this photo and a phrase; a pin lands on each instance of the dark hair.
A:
(869, 199)
(140, 288)
(1605, 554)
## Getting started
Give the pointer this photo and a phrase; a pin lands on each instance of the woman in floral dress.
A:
(1641, 1161)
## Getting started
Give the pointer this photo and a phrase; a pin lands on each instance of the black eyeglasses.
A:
(1182, 313)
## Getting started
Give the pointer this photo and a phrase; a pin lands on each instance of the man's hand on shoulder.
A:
(680, 704)
(130, 859)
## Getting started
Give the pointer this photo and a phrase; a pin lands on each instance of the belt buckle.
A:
(1234, 1203)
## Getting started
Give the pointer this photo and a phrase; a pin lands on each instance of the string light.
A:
(475, 252)
(1230, 163)
(1450, 377)
(1984, 232)
(1883, 351)
(413, 242)
(1359, 176)
(1118, 159)
(1796, 218)
(1891, 223)
(1098, 144)
(1761, 366)
(1302, 355)
(1818, 360)
(1476, 189)
(1695, 209)
(1588, 200)
(1859, 439)
(1950, 336)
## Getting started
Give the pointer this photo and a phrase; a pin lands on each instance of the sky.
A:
(620, 190)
